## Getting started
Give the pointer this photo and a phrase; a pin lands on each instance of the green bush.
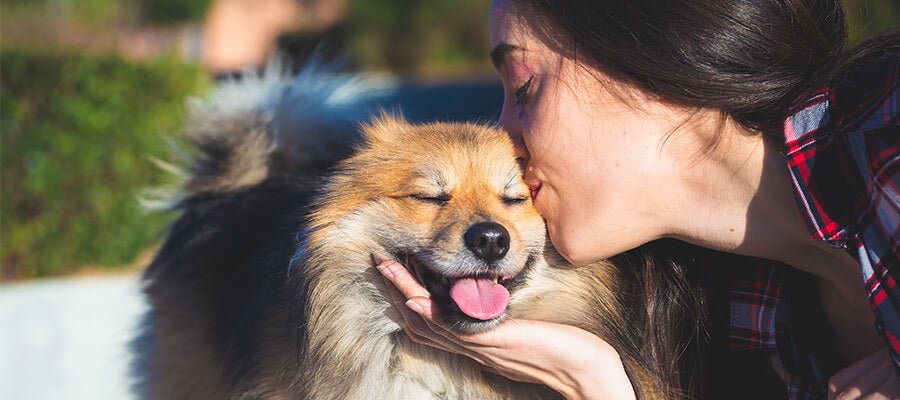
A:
(112, 12)
(173, 11)
(868, 17)
(416, 37)
(77, 136)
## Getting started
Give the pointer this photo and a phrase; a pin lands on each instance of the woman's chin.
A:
(581, 252)
(564, 246)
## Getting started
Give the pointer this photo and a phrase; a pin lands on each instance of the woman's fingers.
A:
(889, 389)
(427, 309)
(866, 382)
(402, 279)
(419, 312)
(843, 378)
(872, 377)
(421, 315)
(416, 299)
(509, 348)
(412, 323)
(424, 312)
(420, 331)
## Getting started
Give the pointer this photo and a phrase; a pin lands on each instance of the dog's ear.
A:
(385, 128)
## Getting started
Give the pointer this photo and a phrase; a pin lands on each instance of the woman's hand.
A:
(571, 361)
(872, 378)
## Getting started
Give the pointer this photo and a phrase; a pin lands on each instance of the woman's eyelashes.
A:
(522, 92)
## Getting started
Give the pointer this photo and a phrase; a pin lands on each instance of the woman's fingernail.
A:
(411, 303)
(376, 259)
(385, 271)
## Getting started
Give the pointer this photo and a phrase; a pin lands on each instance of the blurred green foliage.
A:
(173, 11)
(426, 37)
(100, 12)
(77, 133)
(87, 11)
(867, 17)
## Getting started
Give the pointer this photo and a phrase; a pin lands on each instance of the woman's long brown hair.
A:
(748, 58)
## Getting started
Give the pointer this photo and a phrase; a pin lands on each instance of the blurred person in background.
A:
(238, 34)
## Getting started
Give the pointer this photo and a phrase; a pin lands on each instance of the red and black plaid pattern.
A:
(842, 146)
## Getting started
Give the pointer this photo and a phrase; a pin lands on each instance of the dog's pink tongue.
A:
(480, 298)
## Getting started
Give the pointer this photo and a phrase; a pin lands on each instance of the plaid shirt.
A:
(842, 145)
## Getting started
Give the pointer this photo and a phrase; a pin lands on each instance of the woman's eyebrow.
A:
(498, 54)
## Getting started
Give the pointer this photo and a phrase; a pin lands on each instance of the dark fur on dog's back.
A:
(254, 297)
(217, 280)
(217, 288)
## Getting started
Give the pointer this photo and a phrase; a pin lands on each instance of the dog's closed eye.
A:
(439, 199)
(510, 200)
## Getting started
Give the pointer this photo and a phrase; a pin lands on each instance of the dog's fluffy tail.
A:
(268, 123)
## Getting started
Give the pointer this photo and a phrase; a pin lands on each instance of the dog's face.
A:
(451, 205)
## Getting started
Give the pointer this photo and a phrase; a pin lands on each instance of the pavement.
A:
(68, 338)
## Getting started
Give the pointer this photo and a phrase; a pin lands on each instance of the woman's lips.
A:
(534, 188)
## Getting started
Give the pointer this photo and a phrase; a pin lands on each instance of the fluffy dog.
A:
(265, 287)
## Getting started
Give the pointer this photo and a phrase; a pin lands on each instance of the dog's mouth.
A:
(483, 296)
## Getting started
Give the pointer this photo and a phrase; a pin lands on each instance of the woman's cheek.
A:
(528, 133)
(547, 204)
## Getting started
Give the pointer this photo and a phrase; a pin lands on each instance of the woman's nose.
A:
(510, 124)
(521, 151)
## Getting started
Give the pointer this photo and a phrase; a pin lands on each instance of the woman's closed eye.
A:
(522, 92)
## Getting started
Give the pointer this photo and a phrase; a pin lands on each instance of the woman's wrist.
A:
(601, 376)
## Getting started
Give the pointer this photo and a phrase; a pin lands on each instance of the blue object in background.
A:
(472, 101)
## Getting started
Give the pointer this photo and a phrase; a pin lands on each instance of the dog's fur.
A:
(266, 288)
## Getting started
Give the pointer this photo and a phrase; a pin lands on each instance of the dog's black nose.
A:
(488, 240)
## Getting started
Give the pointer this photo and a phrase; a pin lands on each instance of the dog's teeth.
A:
(496, 278)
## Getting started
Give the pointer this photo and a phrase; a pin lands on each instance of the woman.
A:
(741, 126)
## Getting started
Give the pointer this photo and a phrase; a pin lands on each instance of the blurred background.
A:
(91, 89)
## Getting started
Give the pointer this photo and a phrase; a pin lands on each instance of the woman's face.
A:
(592, 158)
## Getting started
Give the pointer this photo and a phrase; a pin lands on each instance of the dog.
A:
(265, 286)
